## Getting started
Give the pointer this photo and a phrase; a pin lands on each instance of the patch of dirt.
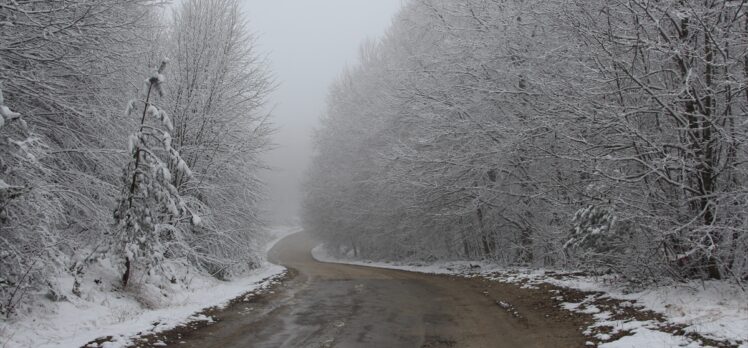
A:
(535, 304)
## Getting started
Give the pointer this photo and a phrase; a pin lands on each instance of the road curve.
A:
(335, 305)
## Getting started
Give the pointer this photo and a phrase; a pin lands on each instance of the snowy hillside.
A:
(100, 311)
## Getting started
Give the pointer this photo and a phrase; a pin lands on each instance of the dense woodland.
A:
(601, 135)
(129, 141)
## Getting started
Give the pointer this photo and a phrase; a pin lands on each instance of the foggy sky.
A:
(308, 42)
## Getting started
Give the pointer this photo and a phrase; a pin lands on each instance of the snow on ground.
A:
(452, 267)
(278, 233)
(645, 337)
(101, 312)
(714, 310)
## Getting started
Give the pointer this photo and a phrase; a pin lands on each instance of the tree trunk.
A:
(126, 275)
(706, 172)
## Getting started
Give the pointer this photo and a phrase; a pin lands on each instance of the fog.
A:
(308, 43)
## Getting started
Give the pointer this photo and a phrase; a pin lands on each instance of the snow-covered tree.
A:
(19, 200)
(220, 82)
(477, 129)
(57, 62)
(65, 65)
(150, 207)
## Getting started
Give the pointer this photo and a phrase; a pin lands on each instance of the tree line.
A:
(113, 156)
(606, 135)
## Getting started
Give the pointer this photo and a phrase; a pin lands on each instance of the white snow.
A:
(152, 111)
(716, 310)
(196, 220)
(183, 168)
(166, 120)
(76, 321)
(132, 141)
(101, 312)
(713, 309)
(644, 337)
(444, 267)
(278, 233)
(130, 107)
(7, 113)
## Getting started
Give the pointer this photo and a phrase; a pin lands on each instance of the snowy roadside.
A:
(684, 315)
(75, 321)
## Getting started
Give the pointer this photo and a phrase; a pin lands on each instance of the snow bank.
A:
(76, 321)
(444, 267)
(645, 337)
(714, 310)
(101, 312)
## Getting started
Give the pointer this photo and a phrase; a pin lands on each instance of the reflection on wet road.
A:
(333, 305)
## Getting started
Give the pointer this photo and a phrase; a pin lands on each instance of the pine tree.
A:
(150, 206)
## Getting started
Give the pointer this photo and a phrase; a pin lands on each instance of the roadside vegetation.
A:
(606, 136)
(129, 146)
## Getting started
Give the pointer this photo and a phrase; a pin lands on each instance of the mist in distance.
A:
(308, 44)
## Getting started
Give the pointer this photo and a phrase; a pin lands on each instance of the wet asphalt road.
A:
(334, 305)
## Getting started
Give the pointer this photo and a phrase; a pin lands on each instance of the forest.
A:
(606, 136)
(130, 143)
(478, 173)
